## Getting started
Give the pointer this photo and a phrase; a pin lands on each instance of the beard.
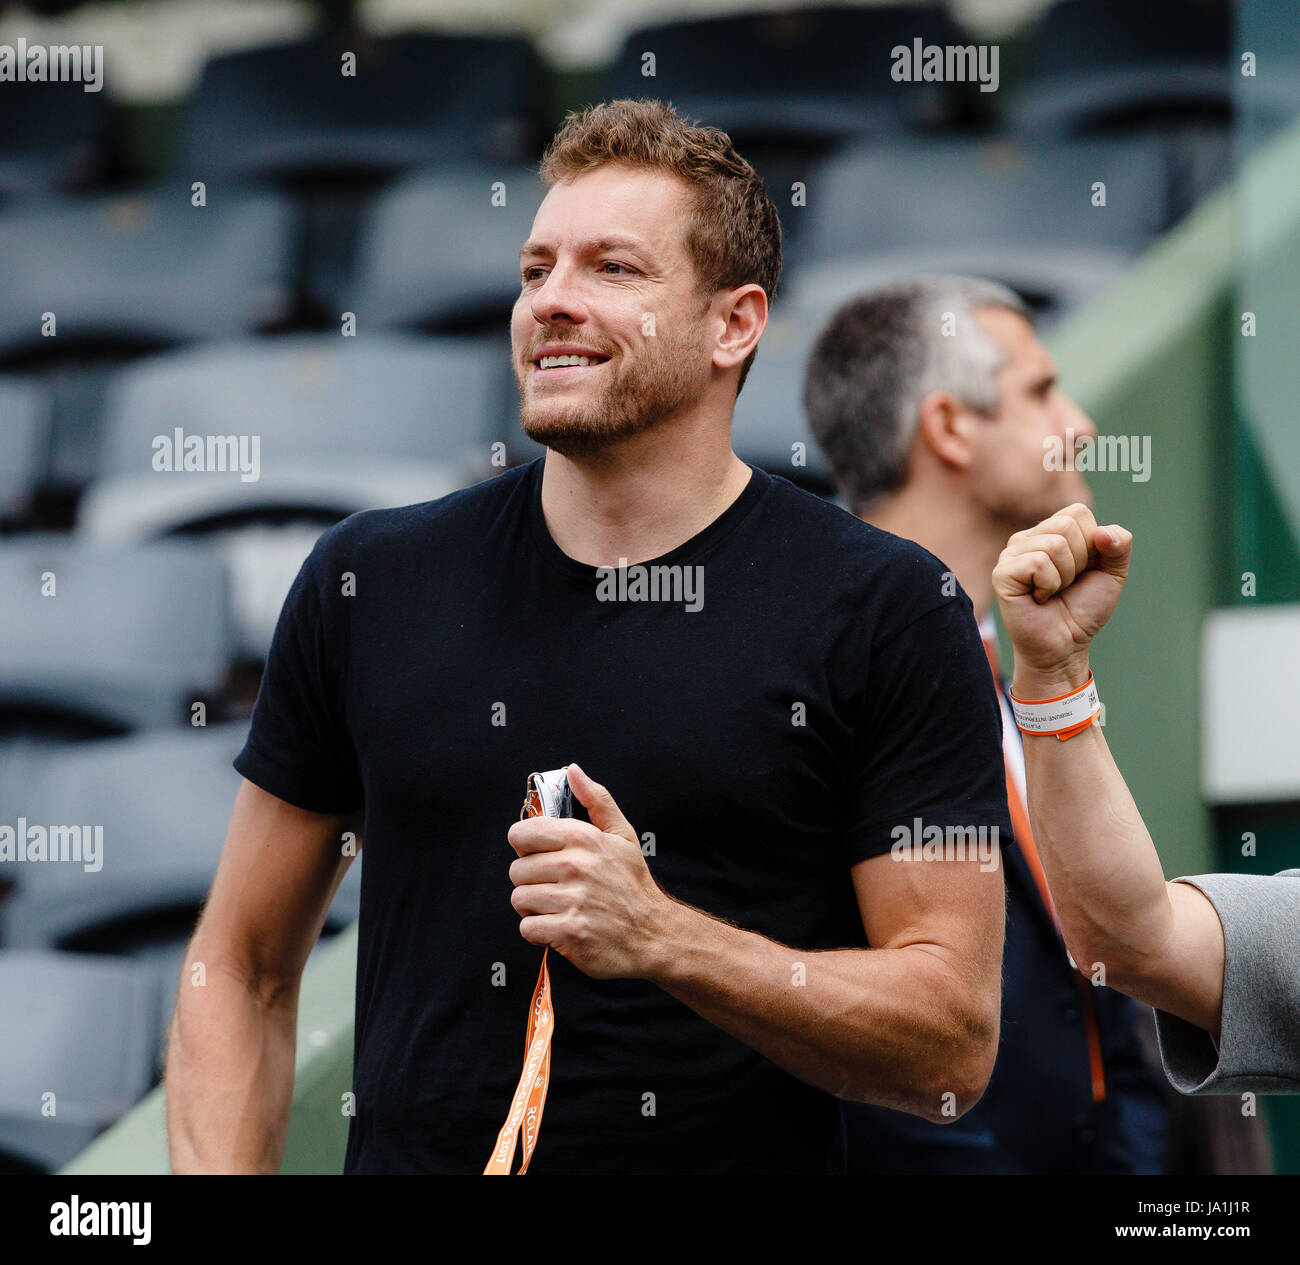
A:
(635, 396)
(1022, 513)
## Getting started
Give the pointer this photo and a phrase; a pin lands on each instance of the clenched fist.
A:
(584, 889)
(1056, 586)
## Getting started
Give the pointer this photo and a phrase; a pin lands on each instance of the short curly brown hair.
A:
(734, 235)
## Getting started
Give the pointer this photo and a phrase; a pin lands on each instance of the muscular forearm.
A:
(1155, 940)
(897, 1027)
(229, 1078)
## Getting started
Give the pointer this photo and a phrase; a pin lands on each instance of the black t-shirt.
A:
(829, 686)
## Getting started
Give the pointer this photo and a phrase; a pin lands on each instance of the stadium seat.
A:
(143, 269)
(77, 1048)
(120, 639)
(769, 427)
(163, 800)
(1017, 213)
(288, 110)
(341, 425)
(1104, 64)
(810, 77)
(440, 249)
(24, 436)
(53, 136)
(387, 398)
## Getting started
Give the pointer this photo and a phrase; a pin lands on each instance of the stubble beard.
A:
(635, 398)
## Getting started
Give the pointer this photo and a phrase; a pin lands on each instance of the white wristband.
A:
(1064, 716)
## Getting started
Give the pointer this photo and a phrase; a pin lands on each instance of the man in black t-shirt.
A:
(786, 885)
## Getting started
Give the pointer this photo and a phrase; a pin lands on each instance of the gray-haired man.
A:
(936, 404)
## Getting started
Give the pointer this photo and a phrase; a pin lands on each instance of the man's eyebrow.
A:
(533, 247)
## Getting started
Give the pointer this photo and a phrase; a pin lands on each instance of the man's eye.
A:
(529, 274)
(610, 263)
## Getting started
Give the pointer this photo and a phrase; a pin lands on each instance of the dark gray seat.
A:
(436, 252)
(769, 427)
(1103, 64)
(341, 425)
(287, 110)
(130, 638)
(144, 268)
(161, 802)
(810, 76)
(1020, 214)
(936, 194)
(52, 136)
(83, 1029)
(24, 437)
(386, 397)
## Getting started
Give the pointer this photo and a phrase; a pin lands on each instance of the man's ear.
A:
(946, 429)
(744, 316)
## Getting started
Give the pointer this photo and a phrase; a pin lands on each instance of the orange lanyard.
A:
(530, 1094)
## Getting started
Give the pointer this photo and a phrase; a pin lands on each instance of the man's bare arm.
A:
(1159, 942)
(230, 1058)
(901, 1024)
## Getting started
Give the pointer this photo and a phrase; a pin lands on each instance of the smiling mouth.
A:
(565, 366)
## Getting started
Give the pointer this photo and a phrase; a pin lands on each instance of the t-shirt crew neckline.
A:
(688, 551)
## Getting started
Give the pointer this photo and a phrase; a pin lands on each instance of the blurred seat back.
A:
(877, 198)
(77, 1049)
(440, 249)
(289, 435)
(52, 136)
(125, 638)
(24, 439)
(148, 815)
(142, 269)
(1095, 65)
(810, 77)
(290, 110)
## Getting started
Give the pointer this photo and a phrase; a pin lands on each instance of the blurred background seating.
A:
(57, 1006)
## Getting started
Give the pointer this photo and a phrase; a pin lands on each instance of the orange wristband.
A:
(1061, 717)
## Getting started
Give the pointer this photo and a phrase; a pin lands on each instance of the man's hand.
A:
(1057, 585)
(584, 889)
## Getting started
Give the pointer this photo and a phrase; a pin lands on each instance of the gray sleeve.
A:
(1259, 1046)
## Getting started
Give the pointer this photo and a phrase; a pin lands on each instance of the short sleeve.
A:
(299, 748)
(1259, 1038)
(928, 764)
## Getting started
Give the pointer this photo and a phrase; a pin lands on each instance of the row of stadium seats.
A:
(810, 77)
(109, 847)
(113, 807)
(94, 283)
(438, 249)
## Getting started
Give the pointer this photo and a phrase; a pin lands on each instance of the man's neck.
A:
(957, 534)
(640, 499)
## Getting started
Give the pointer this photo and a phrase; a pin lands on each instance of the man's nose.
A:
(558, 299)
(1077, 420)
